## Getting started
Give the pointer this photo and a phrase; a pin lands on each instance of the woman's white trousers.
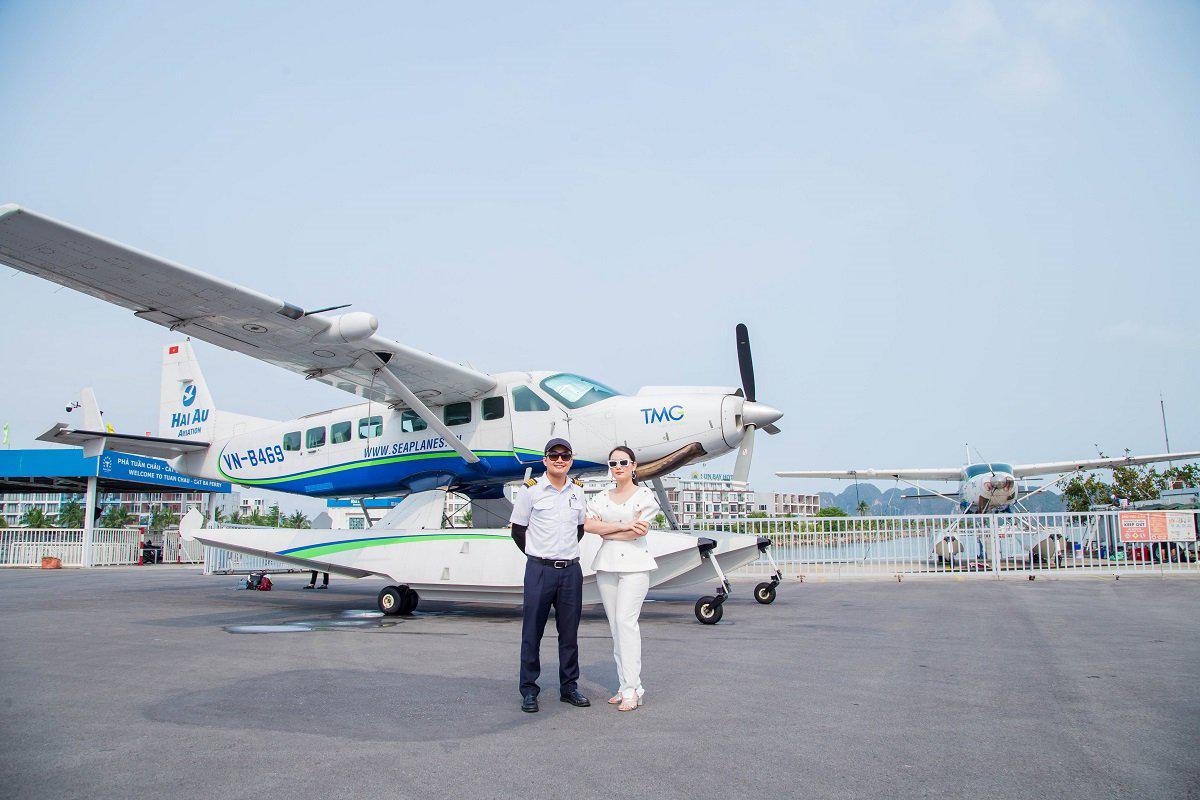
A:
(622, 594)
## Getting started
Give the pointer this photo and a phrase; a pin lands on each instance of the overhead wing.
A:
(95, 442)
(336, 350)
(1054, 467)
(947, 474)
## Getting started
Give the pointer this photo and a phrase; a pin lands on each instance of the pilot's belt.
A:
(557, 563)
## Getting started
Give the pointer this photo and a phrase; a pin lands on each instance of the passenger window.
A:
(457, 413)
(314, 437)
(291, 441)
(339, 432)
(411, 422)
(370, 427)
(525, 400)
(493, 408)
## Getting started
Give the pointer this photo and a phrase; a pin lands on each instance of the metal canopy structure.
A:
(67, 470)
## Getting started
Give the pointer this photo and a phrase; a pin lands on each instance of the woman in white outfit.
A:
(621, 516)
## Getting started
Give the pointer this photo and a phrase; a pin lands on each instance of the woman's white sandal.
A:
(628, 704)
(616, 698)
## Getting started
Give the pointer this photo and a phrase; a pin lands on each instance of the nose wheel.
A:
(765, 591)
(709, 608)
(395, 601)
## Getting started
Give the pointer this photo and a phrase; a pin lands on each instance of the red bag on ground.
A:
(264, 585)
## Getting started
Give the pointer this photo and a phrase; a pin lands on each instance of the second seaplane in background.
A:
(992, 488)
(421, 424)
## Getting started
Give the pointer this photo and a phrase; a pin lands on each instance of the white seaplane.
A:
(993, 488)
(422, 424)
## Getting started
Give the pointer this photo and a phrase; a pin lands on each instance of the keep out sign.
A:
(1157, 526)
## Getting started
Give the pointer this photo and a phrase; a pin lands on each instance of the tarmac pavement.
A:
(136, 682)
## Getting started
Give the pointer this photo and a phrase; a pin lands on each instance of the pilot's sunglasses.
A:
(558, 456)
(624, 462)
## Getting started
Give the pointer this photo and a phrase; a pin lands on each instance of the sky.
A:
(944, 223)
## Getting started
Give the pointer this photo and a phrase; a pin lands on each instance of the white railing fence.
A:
(177, 550)
(226, 562)
(25, 547)
(1103, 542)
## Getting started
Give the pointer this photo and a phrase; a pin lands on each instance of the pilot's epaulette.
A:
(577, 482)
(531, 482)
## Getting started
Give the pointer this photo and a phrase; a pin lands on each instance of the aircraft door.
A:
(535, 421)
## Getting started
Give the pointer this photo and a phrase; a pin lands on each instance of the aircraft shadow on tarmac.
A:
(347, 703)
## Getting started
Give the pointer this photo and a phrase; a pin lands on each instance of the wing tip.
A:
(8, 209)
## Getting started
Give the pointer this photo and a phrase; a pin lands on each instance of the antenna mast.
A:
(1163, 408)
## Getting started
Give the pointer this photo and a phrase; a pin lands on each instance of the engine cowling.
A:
(346, 328)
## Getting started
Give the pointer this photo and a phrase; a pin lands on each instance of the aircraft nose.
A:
(759, 414)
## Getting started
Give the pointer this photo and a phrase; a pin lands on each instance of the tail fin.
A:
(185, 407)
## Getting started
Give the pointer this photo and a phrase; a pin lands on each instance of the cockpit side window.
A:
(525, 400)
(576, 391)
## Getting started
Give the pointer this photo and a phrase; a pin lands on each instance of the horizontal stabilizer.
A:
(929, 496)
(99, 441)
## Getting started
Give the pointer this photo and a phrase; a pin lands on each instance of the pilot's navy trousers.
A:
(546, 586)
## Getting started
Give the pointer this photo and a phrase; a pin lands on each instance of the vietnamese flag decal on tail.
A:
(174, 349)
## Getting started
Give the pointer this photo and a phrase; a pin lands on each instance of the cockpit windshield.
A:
(576, 391)
(983, 469)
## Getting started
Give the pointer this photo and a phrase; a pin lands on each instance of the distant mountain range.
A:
(891, 503)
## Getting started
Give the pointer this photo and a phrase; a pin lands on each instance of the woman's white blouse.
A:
(616, 556)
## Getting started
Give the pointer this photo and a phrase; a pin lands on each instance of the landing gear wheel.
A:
(765, 593)
(409, 601)
(390, 600)
(708, 610)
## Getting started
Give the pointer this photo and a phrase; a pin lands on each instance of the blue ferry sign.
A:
(143, 469)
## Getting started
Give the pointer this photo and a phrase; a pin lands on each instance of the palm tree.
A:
(297, 519)
(36, 518)
(274, 515)
(218, 515)
(255, 518)
(863, 508)
(162, 518)
(70, 514)
(236, 518)
(116, 516)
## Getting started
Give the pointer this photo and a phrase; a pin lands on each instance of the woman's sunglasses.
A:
(624, 462)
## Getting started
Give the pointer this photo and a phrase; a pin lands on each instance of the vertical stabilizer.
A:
(185, 407)
(93, 421)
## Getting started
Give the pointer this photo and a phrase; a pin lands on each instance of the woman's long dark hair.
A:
(632, 459)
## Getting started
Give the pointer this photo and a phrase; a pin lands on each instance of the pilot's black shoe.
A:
(310, 586)
(325, 586)
(575, 698)
(529, 703)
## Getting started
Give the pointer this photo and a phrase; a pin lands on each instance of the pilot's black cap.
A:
(557, 443)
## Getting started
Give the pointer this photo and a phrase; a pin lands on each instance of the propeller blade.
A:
(741, 467)
(771, 429)
(745, 360)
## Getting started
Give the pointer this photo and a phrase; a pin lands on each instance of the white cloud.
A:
(1150, 334)
(1029, 71)
(969, 21)
(1009, 52)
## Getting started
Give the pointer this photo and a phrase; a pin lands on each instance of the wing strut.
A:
(664, 503)
(422, 410)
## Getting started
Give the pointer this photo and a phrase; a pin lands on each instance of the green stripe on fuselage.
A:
(317, 550)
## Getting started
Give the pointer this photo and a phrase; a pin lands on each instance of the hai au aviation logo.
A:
(189, 394)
